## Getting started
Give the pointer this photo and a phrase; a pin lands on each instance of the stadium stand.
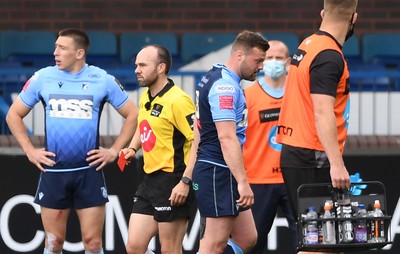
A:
(132, 43)
(103, 49)
(195, 45)
(32, 49)
(381, 49)
(373, 58)
(290, 39)
(352, 52)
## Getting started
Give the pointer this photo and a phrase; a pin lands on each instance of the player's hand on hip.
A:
(101, 157)
(41, 157)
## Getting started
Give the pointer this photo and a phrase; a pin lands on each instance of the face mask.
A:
(274, 69)
(351, 29)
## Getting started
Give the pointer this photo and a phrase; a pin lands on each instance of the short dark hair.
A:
(80, 37)
(248, 40)
(163, 56)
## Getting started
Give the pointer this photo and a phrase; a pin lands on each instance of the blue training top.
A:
(219, 97)
(73, 105)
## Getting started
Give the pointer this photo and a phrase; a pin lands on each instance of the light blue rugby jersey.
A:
(73, 105)
(219, 97)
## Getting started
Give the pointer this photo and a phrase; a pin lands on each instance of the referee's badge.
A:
(156, 111)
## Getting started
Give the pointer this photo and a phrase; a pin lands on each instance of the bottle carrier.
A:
(315, 195)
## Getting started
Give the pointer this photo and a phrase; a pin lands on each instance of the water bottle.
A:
(311, 226)
(344, 210)
(378, 232)
(328, 227)
(360, 229)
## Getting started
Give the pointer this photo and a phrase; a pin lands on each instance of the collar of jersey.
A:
(165, 89)
(230, 72)
(78, 73)
(276, 93)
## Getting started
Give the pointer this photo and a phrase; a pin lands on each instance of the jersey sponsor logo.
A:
(287, 131)
(34, 77)
(272, 139)
(85, 86)
(204, 80)
(269, 115)
(224, 89)
(245, 119)
(190, 120)
(26, 85)
(60, 84)
(297, 57)
(162, 208)
(119, 84)
(157, 109)
(276, 170)
(96, 75)
(147, 136)
(71, 106)
(226, 102)
(104, 192)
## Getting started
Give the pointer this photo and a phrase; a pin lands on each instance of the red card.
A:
(121, 162)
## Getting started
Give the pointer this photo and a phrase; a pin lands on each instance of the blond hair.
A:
(340, 8)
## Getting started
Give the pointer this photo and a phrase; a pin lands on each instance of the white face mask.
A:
(274, 68)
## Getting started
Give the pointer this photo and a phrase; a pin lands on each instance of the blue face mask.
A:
(274, 69)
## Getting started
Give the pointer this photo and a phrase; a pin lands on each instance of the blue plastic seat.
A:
(30, 48)
(196, 45)
(290, 39)
(103, 49)
(367, 80)
(132, 43)
(352, 52)
(381, 49)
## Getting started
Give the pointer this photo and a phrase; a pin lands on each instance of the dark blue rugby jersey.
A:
(219, 97)
(73, 105)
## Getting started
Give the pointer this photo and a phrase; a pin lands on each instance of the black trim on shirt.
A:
(325, 72)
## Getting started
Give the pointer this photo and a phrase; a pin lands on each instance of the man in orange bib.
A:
(315, 109)
(261, 153)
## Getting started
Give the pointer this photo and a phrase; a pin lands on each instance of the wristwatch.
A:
(186, 180)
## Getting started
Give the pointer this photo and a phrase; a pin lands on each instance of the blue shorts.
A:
(77, 189)
(216, 190)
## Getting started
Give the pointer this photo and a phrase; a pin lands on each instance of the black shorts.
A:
(294, 177)
(152, 197)
(77, 189)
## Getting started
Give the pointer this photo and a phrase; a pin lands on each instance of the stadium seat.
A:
(103, 49)
(132, 43)
(30, 48)
(352, 52)
(290, 39)
(196, 45)
(364, 79)
(381, 49)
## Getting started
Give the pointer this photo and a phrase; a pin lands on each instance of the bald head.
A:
(275, 45)
(156, 54)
